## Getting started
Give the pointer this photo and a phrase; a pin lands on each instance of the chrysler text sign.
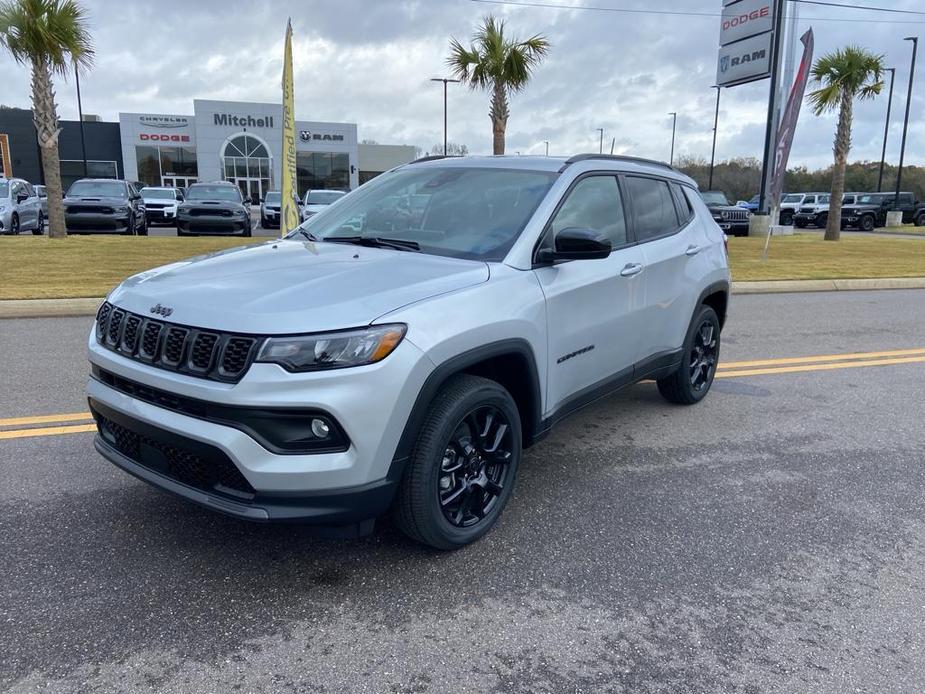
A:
(744, 61)
(744, 19)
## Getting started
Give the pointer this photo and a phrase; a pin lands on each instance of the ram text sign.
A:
(744, 61)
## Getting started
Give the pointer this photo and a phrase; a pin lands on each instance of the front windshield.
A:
(272, 198)
(322, 197)
(159, 193)
(456, 211)
(97, 189)
(229, 193)
(714, 198)
(4, 189)
(792, 198)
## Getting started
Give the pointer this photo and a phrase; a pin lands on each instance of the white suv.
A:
(402, 348)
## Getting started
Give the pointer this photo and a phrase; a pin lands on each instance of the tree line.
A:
(740, 178)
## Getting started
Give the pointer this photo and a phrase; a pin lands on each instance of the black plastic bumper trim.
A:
(344, 506)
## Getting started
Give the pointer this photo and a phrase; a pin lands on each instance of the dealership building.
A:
(221, 140)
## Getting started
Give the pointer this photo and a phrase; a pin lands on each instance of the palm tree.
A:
(499, 63)
(50, 36)
(843, 76)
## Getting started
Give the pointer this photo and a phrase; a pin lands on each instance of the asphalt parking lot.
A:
(771, 539)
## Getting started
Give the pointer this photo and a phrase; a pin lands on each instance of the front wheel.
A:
(39, 226)
(14, 224)
(867, 223)
(462, 471)
(692, 381)
(143, 231)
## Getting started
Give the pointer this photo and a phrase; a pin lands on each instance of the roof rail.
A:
(434, 157)
(614, 157)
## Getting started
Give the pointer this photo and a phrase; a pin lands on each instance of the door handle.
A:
(631, 269)
(693, 250)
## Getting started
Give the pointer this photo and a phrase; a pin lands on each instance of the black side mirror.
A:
(577, 243)
(22, 197)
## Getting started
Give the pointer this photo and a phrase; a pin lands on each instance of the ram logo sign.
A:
(744, 61)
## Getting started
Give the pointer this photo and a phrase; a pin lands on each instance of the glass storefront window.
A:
(320, 170)
(154, 163)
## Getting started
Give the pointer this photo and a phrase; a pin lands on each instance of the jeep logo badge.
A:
(161, 310)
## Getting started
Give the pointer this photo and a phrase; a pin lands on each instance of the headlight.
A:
(121, 210)
(332, 350)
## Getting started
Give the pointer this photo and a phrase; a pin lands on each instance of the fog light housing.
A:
(320, 428)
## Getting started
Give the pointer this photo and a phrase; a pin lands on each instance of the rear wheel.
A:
(692, 381)
(143, 231)
(822, 221)
(462, 471)
(14, 224)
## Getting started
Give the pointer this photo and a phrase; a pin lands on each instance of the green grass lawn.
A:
(33, 267)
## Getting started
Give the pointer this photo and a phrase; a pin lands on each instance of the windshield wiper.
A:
(376, 242)
(307, 234)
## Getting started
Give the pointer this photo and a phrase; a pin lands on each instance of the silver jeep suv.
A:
(399, 350)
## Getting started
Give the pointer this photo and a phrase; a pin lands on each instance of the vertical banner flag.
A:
(788, 123)
(289, 212)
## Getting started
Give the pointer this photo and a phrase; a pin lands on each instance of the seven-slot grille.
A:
(209, 212)
(214, 355)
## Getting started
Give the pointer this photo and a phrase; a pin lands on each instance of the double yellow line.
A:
(81, 422)
(823, 362)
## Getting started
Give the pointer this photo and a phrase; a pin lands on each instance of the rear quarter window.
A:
(654, 211)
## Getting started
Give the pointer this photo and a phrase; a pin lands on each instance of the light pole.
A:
(674, 127)
(546, 142)
(886, 128)
(601, 131)
(715, 127)
(902, 148)
(445, 80)
(80, 114)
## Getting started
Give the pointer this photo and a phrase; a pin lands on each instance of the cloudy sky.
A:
(368, 62)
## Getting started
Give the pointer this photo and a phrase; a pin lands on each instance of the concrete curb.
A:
(56, 308)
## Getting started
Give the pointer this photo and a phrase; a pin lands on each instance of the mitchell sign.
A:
(243, 121)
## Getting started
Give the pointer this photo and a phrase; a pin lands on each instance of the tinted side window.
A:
(809, 200)
(684, 206)
(653, 207)
(594, 203)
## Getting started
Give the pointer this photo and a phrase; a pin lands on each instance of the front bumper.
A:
(212, 225)
(734, 227)
(270, 219)
(161, 215)
(371, 403)
(810, 219)
(96, 222)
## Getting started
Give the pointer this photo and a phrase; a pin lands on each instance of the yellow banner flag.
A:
(289, 217)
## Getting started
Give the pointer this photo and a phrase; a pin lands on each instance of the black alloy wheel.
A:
(691, 382)
(39, 226)
(461, 472)
(867, 223)
(14, 224)
(474, 468)
(703, 357)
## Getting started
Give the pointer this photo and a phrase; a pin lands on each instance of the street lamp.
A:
(601, 131)
(445, 80)
(546, 142)
(80, 115)
(674, 127)
(715, 127)
(902, 148)
(886, 128)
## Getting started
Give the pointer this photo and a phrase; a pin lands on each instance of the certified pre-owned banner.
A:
(289, 217)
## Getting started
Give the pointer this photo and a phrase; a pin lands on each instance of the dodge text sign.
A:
(744, 19)
(744, 61)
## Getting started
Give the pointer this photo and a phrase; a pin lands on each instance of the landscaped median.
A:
(89, 266)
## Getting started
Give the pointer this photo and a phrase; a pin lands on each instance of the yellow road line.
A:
(819, 367)
(46, 431)
(821, 358)
(45, 419)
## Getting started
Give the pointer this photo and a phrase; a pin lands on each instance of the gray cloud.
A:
(369, 62)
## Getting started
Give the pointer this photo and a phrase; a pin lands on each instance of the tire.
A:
(867, 223)
(144, 227)
(681, 387)
(40, 227)
(457, 466)
(14, 224)
(247, 231)
(920, 220)
(822, 222)
(799, 224)
(786, 218)
(130, 231)
(263, 223)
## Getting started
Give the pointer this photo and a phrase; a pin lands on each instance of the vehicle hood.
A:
(291, 286)
(163, 201)
(111, 201)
